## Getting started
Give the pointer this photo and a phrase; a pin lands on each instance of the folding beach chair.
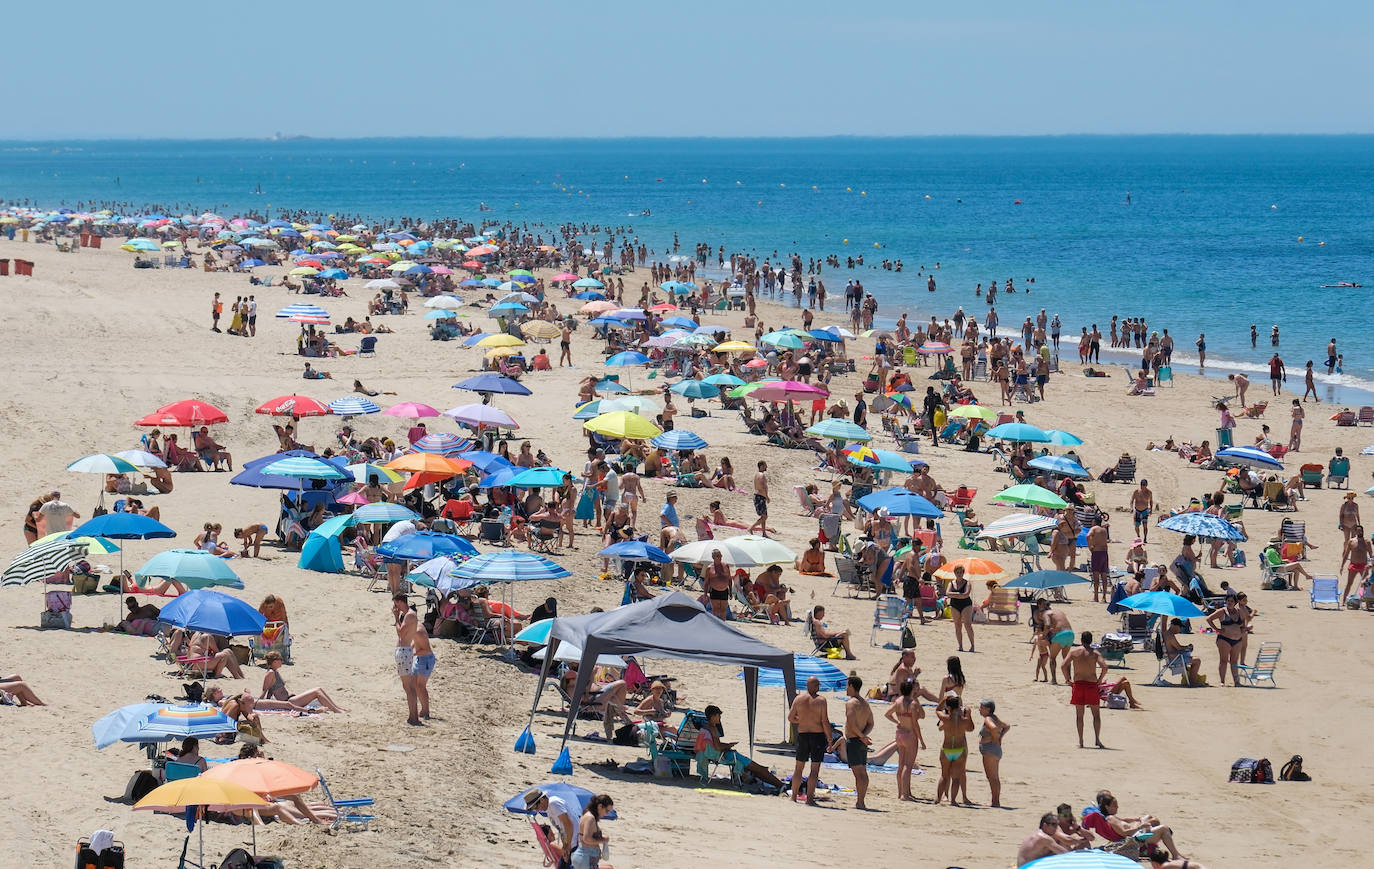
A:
(345, 809)
(1325, 590)
(1266, 661)
(889, 614)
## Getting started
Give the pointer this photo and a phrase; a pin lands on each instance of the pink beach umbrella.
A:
(354, 498)
(410, 410)
(789, 390)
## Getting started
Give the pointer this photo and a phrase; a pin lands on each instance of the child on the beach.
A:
(1040, 650)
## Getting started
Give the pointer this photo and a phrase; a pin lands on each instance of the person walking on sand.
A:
(216, 309)
(1142, 504)
(406, 622)
(761, 500)
(565, 346)
(1278, 375)
(423, 667)
(1309, 383)
(812, 719)
(858, 723)
(990, 747)
(1085, 667)
(1295, 432)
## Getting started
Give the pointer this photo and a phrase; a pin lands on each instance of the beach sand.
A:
(93, 344)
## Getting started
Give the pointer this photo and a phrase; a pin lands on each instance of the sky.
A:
(706, 68)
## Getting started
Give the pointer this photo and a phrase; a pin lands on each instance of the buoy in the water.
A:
(863, 192)
(849, 190)
(927, 196)
(846, 241)
(1321, 244)
(1299, 239)
(875, 244)
(1273, 208)
(1017, 202)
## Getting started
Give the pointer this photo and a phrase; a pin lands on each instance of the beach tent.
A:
(668, 626)
(321, 551)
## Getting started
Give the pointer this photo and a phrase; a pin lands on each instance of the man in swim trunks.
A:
(1085, 667)
(761, 501)
(1061, 636)
(423, 667)
(1142, 504)
(565, 346)
(404, 654)
(717, 582)
(858, 723)
(812, 719)
(1098, 562)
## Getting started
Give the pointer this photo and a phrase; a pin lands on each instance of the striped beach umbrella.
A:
(382, 513)
(1017, 525)
(364, 471)
(424, 545)
(292, 310)
(933, 348)
(832, 678)
(352, 405)
(41, 561)
(1249, 457)
(510, 567)
(305, 468)
(101, 463)
(441, 444)
(179, 722)
(680, 439)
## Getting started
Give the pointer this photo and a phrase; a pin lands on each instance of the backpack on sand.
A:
(1292, 771)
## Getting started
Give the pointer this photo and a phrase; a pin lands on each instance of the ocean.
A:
(1194, 233)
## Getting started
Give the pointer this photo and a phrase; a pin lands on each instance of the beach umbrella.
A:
(628, 358)
(437, 573)
(94, 545)
(839, 430)
(1204, 525)
(933, 348)
(167, 721)
(292, 405)
(267, 778)
(485, 461)
(362, 472)
(785, 340)
(252, 471)
(974, 568)
(563, 277)
(572, 653)
(680, 321)
(317, 319)
(538, 478)
(1164, 603)
(184, 414)
(537, 633)
(100, 463)
(304, 272)
(1250, 457)
(589, 284)
(424, 545)
(293, 310)
(352, 405)
(597, 306)
(141, 458)
(122, 526)
(1029, 493)
(1063, 438)
(41, 561)
(832, 678)
(199, 793)
(901, 399)
(193, 568)
(441, 315)
(1019, 432)
(575, 798)
(1040, 580)
(629, 314)
(507, 308)
(411, 410)
(973, 411)
(382, 513)
(789, 390)
(1059, 465)
(540, 329)
(679, 439)
(592, 296)
(498, 477)
(1017, 525)
(640, 404)
(445, 303)
(384, 284)
(428, 463)
(510, 566)
(481, 416)
(731, 346)
(441, 444)
(694, 389)
(500, 339)
(214, 613)
(634, 550)
(764, 550)
(623, 424)
(699, 552)
(1091, 859)
(898, 501)
(723, 380)
(114, 726)
(303, 468)
(493, 383)
(611, 386)
(884, 460)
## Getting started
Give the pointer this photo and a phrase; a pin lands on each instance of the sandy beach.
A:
(95, 344)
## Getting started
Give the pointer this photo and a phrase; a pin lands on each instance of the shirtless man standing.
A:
(1061, 636)
(1085, 667)
(1356, 558)
(1142, 504)
(858, 723)
(565, 346)
(406, 623)
(717, 582)
(761, 500)
(1098, 562)
(812, 718)
(423, 667)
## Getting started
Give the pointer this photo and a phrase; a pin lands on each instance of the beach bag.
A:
(1247, 770)
(626, 734)
(1292, 771)
(1107, 476)
(908, 637)
(141, 784)
(1117, 701)
(193, 691)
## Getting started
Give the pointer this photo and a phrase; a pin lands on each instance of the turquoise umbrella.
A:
(839, 430)
(193, 568)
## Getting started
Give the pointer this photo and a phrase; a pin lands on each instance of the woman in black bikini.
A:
(1229, 623)
(959, 593)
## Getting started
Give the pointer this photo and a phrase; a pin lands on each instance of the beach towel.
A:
(585, 508)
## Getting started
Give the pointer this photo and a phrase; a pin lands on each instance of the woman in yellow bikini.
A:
(957, 724)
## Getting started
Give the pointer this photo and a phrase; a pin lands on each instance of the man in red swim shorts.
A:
(1084, 667)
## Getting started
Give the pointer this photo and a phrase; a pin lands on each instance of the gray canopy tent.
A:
(668, 626)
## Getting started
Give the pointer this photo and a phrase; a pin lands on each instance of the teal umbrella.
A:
(193, 568)
(839, 430)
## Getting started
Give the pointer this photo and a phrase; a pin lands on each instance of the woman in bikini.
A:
(276, 696)
(904, 713)
(954, 677)
(1229, 623)
(959, 594)
(724, 477)
(31, 521)
(990, 747)
(957, 723)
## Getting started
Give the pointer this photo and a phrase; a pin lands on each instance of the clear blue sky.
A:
(433, 68)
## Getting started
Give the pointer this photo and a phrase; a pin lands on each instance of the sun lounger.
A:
(1003, 606)
(345, 808)
(1325, 590)
(889, 614)
(1266, 661)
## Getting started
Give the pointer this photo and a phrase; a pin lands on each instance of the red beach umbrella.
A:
(292, 405)
(184, 413)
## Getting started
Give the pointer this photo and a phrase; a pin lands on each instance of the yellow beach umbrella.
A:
(623, 424)
(304, 271)
(501, 339)
(973, 411)
(541, 329)
(734, 347)
(498, 352)
(213, 794)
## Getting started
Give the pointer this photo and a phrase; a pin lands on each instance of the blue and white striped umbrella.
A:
(839, 430)
(832, 678)
(306, 469)
(352, 405)
(636, 550)
(510, 567)
(292, 310)
(1017, 525)
(1203, 525)
(680, 439)
(382, 513)
(179, 722)
(441, 444)
(1249, 457)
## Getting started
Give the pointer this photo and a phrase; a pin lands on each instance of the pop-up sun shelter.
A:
(668, 626)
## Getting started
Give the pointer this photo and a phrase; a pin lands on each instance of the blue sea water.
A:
(1209, 241)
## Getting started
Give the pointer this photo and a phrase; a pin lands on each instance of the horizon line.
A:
(280, 138)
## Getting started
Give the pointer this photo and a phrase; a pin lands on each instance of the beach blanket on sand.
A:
(890, 768)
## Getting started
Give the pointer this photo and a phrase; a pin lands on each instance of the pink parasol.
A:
(410, 410)
(789, 390)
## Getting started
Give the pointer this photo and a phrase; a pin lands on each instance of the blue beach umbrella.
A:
(122, 526)
(1163, 602)
(303, 468)
(900, 502)
(114, 726)
(1019, 432)
(353, 406)
(785, 340)
(611, 386)
(1059, 465)
(472, 339)
(441, 444)
(883, 460)
(1092, 859)
(485, 461)
(214, 613)
(589, 284)
(1063, 438)
(680, 321)
(635, 550)
(508, 308)
(574, 797)
(1203, 525)
(1250, 457)
(679, 439)
(636, 314)
(178, 722)
(621, 360)
(537, 633)
(439, 314)
(499, 476)
(382, 513)
(693, 389)
(823, 335)
(609, 322)
(494, 383)
(1041, 580)
(510, 567)
(724, 380)
(538, 478)
(252, 472)
(590, 410)
(334, 274)
(424, 545)
(590, 296)
(839, 430)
